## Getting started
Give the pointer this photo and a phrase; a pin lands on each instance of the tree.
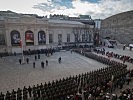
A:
(96, 36)
(77, 34)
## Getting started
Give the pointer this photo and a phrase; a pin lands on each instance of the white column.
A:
(47, 37)
(8, 40)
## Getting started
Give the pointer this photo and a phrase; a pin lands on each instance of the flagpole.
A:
(22, 55)
(21, 44)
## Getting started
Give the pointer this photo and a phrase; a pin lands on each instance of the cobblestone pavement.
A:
(14, 75)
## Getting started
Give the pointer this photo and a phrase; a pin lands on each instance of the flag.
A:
(21, 43)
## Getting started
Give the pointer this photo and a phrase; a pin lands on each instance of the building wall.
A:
(25, 23)
(98, 23)
(119, 27)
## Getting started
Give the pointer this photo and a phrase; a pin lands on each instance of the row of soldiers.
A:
(119, 80)
(126, 94)
(4, 54)
(115, 55)
(121, 57)
(47, 52)
(101, 59)
(99, 51)
(96, 83)
(92, 83)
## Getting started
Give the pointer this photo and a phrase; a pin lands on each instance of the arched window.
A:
(41, 37)
(15, 38)
(29, 37)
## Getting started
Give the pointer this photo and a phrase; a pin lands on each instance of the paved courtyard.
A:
(14, 75)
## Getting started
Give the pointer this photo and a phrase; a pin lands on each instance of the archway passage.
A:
(41, 37)
(15, 38)
(29, 37)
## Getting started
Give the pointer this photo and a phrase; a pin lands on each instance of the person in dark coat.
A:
(59, 60)
(27, 60)
(8, 96)
(20, 61)
(35, 57)
(34, 65)
(38, 56)
(25, 93)
(13, 95)
(19, 94)
(29, 90)
(46, 62)
(42, 64)
(2, 96)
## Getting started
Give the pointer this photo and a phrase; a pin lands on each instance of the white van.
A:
(131, 45)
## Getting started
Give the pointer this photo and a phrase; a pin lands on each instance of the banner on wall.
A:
(29, 38)
(41, 37)
(15, 38)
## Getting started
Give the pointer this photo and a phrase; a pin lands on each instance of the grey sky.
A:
(95, 8)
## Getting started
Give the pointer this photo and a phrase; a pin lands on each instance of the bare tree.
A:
(77, 34)
(96, 36)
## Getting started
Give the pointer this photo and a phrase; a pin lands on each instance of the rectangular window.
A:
(59, 39)
(68, 37)
(50, 38)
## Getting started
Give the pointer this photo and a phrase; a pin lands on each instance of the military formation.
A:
(93, 85)
(124, 58)
(47, 52)
(126, 94)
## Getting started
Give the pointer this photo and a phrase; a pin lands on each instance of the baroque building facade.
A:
(118, 27)
(34, 32)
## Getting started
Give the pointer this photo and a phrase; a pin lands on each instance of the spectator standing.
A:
(46, 62)
(59, 60)
(20, 62)
(27, 60)
(34, 65)
(42, 64)
(35, 57)
(38, 56)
